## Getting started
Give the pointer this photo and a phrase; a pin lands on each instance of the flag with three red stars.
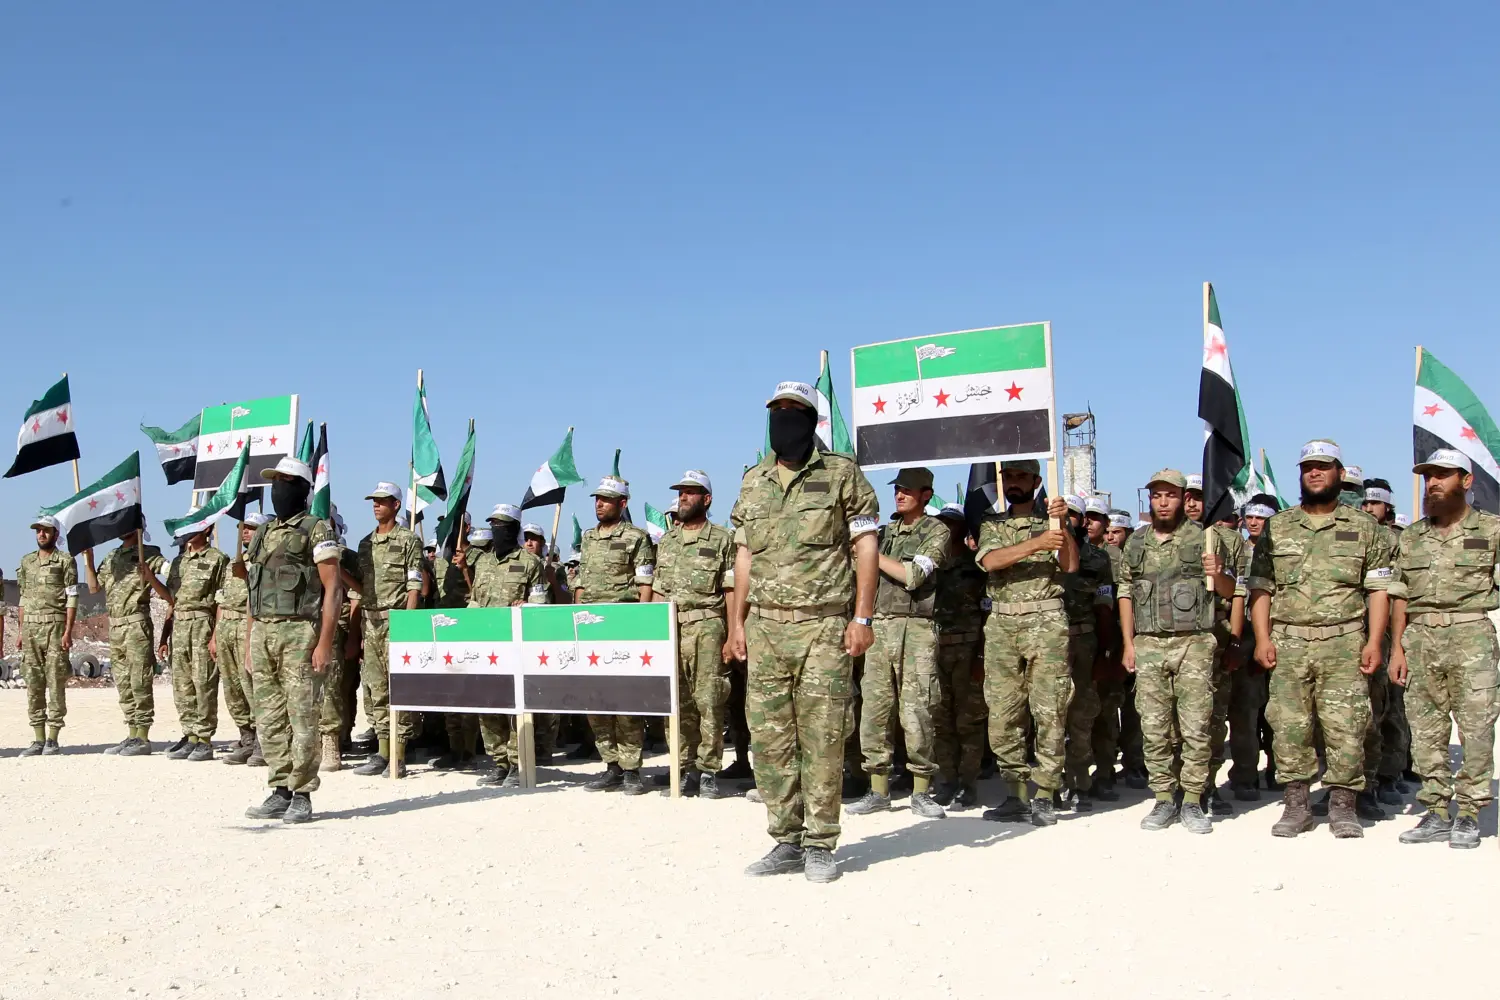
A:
(46, 436)
(104, 510)
(1447, 414)
(268, 424)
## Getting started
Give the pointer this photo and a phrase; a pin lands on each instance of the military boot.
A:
(1386, 794)
(708, 786)
(1217, 805)
(1434, 828)
(1367, 806)
(255, 759)
(877, 799)
(782, 859)
(241, 751)
(692, 781)
(493, 778)
(1105, 791)
(1296, 817)
(299, 810)
(512, 778)
(275, 805)
(740, 769)
(1162, 815)
(609, 781)
(1343, 822)
(1465, 832)
(631, 784)
(331, 759)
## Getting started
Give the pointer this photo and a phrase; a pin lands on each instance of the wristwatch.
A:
(866, 622)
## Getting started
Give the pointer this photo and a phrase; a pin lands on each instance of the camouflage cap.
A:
(1169, 476)
(1444, 458)
(1030, 465)
(1321, 450)
(913, 478)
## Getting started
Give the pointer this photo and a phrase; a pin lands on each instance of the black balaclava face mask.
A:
(507, 537)
(289, 497)
(792, 432)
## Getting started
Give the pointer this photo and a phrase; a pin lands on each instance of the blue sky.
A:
(636, 219)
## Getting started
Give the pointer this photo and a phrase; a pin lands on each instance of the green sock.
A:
(135, 732)
(920, 783)
(1018, 790)
(1164, 796)
(1196, 800)
(1471, 814)
(40, 732)
(52, 732)
(385, 749)
(880, 784)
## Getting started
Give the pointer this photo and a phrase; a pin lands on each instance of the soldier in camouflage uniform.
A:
(390, 575)
(1387, 747)
(804, 530)
(1089, 598)
(618, 566)
(341, 681)
(1026, 641)
(900, 680)
(125, 576)
(194, 579)
(695, 569)
(960, 716)
(1109, 529)
(1444, 653)
(1167, 624)
(1248, 682)
(48, 585)
(231, 604)
(534, 540)
(291, 569)
(451, 590)
(504, 575)
(1313, 569)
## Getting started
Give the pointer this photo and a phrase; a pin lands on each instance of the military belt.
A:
(1026, 607)
(955, 638)
(1442, 618)
(374, 615)
(131, 619)
(191, 615)
(698, 615)
(43, 617)
(1318, 631)
(1082, 628)
(794, 615)
(228, 615)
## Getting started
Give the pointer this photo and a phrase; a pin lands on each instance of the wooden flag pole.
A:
(526, 744)
(398, 746)
(88, 554)
(1416, 480)
(1208, 540)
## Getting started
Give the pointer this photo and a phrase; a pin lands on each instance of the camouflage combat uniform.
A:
(960, 715)
(390, 567)
(1174, 655)
(900, 680)
(1379, 684)
(451, 591)
(1230, 546)
(1449, 586)
(1026, 654)
(1248, 686)
(286, 597)
(229, 641)
(617, 562)
(1084, 593)
(504, 582)
(132, 652)
(1317, 571)
(694, 568)
(798, 527)
(48, 584)
(193, 579)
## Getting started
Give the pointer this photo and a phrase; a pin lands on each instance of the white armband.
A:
(862, 525)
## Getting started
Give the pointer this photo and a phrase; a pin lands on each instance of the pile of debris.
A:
(90, 653)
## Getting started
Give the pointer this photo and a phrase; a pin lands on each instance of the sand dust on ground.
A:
(139, 877)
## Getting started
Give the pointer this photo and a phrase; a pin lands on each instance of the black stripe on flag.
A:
(545, 500)
(1486, 490)
(180, 470)
(1224, 449)
(35, 455)
(209, 475)
(105, 528)
(607, 695)
(940, 439)
(496, 691)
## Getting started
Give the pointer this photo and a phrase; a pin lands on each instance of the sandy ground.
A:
(139, 877)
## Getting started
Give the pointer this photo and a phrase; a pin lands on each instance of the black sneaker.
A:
(783, 859)
(692, 781)
(740, 769)
(493, 778)
(1465, 833)
(967, 797)
(449, 761)
(1043, 813)
(256, 758)
(1367, 806)
(1386, 794)
(1012, 810)
(1135, 779)
(631, 784)
(299, 810)
(584, 751)
(50, 747)
(32, 750)
(373, 765)
(944, 791)
(1246, 793)
(201, 752)
(182, 746)
(708, 786)
(1217, 804)
(609, 781)
(1434, 828)
(275, 806)
(819, 866)
(1162, 815)
(1105, 791)
(871, 802)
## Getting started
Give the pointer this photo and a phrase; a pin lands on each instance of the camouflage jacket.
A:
(961, 603)
(922, 549)
(1091, 587)
(1162, 578)
(1038, 577)
(233, 595)
(390, 566)
(695, 569)
(125, 593)
(799, 537)
(448, 579)
(502, 582)
(1319, 574)
(194, 578)
(48, 586)
(1232, 550)
(617, 562)
(1456, 572)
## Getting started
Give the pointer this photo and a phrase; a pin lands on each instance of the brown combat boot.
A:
(1295, 817)
(241, 751)
(1342, 820)
(332, 760)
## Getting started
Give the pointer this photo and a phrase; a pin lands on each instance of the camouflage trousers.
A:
(900, 684)
(1106, 736)
(1083, 711)
(132, 661)
(1379, 686)
(1132, 743)
(502, 739)
(376, 674)
(334, 716)
(195, 677)
(797, 693)
(619, 739)
(1026, 667)
(1317, 683)
(702, 693)
(1218, 723)
(1247, 699)
(239, 686)
(1452, 682)
(44, 664)
(463, 731)
(958, 722)
(287, 695)
(1175, 698)
(1395, 736)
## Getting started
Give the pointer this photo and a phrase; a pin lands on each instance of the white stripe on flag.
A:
(1448, 424)
(963, 395)
(44, 425)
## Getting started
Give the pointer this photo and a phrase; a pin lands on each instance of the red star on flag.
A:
(645, 659)
(941, 397)
(119, 495)
(1468, 434)
(240, 443)
(1014, 392)
(1432, 410)
(177, 449)
(879, 405)
(1215, 348)
(541, 658)
(447, 657)
(593, 658)
(405, 657)
(322, 469)
(273, 439)
(36, 426)
(210, 447)
(93, 503)
(494, 659)
(62, 417)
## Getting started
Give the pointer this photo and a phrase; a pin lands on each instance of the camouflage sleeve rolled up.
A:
(1379, 556)
(645, 560)
(1262, 571)
(1124, 576)
(411, 555)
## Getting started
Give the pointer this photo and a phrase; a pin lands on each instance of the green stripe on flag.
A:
(998, 349)
(621, 623)
(469, 625)
(273, 411)
(1444, 383)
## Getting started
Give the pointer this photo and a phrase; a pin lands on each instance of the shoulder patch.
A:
(817, 486)
(1476, 543)
(1346, 536)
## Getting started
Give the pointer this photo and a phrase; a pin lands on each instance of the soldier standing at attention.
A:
(534, 540)
(1314, 568)
(1167, 621)
(1026, 640)
(1116, 699)
(619, 563)
(194, 579)
(695, 568)
(1444, 650)
(960, 717)
(1247, 682)
(390, 578)
(1089, 595)
(126, 576)
(805, 553)
(48, 585)
(1386, 750)
(232, 602)
(901, 679)
(452, 591)
(291, 569)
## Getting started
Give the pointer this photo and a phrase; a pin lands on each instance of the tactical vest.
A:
(892, 598)
(1173, 598)
(286, 583)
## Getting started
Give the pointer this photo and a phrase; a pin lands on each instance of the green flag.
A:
(656, 524)
(223, 499)
(832, 431)
(305, 450)
(321, 506)
(458, 503)
(426, 466)
(577, 535)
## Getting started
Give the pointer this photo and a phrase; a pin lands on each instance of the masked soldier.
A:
(48, 584)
